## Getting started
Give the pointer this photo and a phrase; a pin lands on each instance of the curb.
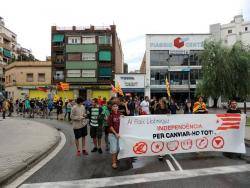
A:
(247, 143)
(29, 164)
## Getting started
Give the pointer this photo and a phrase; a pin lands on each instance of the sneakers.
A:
(94, 149)
(84, 152)
(78, 153)
(100, 150)
(114, 166)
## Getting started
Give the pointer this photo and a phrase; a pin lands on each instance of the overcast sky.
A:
(31, 20)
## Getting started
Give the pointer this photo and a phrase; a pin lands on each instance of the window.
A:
(29, 77)
(104, 56)
(163, 58)
(88, 56)
(88, 39)
(105, 40)
(105, 72)
(41, 77)
(158, 77)
(74, 73)
(58, 75)
(229, 31)
(246, 28)
(74, 57)
(88, 73)
(74, 40)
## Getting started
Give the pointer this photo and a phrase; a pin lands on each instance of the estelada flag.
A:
(44, 89)
(119, 89)
(167, 87)
(113, 89)
(63, 86)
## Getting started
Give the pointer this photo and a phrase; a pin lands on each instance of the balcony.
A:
(58, 46)
(6, 46)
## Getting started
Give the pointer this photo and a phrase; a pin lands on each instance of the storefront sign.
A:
(130, 80)
(175, 43)
(183, 133)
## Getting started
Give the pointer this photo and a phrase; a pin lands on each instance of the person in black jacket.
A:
(162, 107)
(234, 110)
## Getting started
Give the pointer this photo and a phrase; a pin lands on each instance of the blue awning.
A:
(58, 38)
(7, 53)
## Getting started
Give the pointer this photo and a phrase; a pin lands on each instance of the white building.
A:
(176, 57)
(236, 30)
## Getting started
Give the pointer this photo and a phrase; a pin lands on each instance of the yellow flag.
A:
(167, 87)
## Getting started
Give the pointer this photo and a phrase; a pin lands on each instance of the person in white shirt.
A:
(145, 106)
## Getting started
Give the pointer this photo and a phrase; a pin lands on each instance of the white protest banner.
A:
(181, 133)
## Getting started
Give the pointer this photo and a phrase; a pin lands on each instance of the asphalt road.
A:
(65, 166)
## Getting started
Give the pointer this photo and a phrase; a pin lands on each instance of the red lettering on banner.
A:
(178, 127)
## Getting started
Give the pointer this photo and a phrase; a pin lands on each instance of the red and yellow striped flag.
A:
(119, 89)
(167, 87)
(113, 89)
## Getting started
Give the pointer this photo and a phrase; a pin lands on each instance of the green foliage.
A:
(225, 70)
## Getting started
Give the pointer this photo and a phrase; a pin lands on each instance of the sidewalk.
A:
(23, 143)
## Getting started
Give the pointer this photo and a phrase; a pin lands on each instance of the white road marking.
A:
(170, 165)
(142, 178)
(176, 162)
(39, 165)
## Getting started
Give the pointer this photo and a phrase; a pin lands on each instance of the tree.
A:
(225, 71)
(239, 60)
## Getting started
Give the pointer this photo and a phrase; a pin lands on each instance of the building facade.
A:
(8, 44)
(236, 30)
(7, 50)
(131, 83)
(175, 57)
(22, 79)
(86, 58)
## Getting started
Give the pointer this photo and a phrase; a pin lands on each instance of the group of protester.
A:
(103, 116)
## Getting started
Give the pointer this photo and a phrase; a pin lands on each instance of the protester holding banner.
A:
(233, 107)
(200, 107)
(162, 108)
(114, 124)
(233, 110)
